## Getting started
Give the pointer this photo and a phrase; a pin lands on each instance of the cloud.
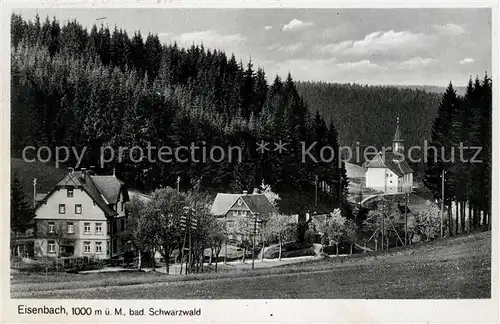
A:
(292, 48)
(268, 27)
(378, 42)
(417, 62)
(296, 25)
(466, 60)
(330, 69)
(450, 29)
(210, 38)
(338, 31)
(357, 66)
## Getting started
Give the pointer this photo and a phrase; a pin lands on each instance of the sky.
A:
(367, 46)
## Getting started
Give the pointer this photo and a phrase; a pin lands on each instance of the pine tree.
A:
(21, 213)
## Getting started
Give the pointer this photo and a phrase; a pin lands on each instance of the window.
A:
(98, 247)
(70, 193)
(86, 228)
(71, 228)
(240, 202)
(78, 208)
(107, 247)
(52, 246)
(98, 228)
(86, 247)
(51, 227)
(62, 209)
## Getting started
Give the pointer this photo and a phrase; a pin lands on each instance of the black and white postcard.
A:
(250, 162)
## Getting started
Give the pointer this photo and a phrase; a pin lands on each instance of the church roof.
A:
(391, 161)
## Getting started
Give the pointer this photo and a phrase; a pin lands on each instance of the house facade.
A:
(388, 171)
(84, 215)
(247, 208)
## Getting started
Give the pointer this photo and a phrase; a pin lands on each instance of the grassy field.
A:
(452, 268)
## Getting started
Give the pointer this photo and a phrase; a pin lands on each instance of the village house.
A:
(388, 171)
(84, 215)
(253, 207)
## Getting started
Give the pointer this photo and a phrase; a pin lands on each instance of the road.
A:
(453, 268)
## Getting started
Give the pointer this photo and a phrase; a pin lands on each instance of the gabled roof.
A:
(223, 202)
(101, 189)
(391, 161)
(257, 203)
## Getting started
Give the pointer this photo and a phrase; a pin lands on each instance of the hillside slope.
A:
(47, 176)
(458, 267)
(367, 114)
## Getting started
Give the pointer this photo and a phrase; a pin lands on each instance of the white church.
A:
(388, 171)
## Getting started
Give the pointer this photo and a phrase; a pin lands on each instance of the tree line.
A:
(463, 121)
(72, 87)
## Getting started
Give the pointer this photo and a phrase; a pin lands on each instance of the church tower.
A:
(397, 142)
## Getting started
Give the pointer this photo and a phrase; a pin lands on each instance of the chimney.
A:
(256, 191)
(245, 192)
(84, 173)
(92, 170)
(71, 170)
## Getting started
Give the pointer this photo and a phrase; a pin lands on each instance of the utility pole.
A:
(442, 201)
(254, 233)
(34, 192)
(383, 228)
(190, 255)
(178, 183)
(316, 193)
(406, 219)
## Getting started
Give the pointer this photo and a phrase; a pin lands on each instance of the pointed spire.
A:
(397, 142)
(397, 135)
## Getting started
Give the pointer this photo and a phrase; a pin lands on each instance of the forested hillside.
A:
(367, 114)
(73, 87)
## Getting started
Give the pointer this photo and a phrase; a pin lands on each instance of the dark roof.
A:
(99, 188)
(108, 186)
(397, 135)
(394, 162)
(257, 203)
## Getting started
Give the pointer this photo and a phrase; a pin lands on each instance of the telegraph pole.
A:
(254, 233)
(442, 201)
(34, 192)
(316, 193)
(406, 219)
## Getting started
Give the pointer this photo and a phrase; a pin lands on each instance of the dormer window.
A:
(70, 193)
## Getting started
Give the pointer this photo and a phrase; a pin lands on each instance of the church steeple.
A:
(397, 142)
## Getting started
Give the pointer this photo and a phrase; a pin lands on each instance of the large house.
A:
(388, 171)
(84, 215)
(252, 208)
